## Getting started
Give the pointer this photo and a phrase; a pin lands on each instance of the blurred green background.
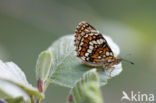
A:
(28, 27)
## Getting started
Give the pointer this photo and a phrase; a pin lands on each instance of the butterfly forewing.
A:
(90, 45)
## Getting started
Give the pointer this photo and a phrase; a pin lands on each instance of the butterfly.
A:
(92, 48)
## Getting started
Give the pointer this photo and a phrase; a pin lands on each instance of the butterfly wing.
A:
(90, 45)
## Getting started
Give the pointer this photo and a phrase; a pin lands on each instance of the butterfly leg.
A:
(99, 69)
(110, 73)
(85, 63)
(102, 68)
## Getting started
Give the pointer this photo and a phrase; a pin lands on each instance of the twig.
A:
(38, 101)
(32, 99)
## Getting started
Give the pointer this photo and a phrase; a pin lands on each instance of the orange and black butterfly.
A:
(92, 48)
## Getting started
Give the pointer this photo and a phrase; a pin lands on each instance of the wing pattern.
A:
(90, 45)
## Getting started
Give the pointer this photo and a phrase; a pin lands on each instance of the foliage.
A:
(56, 65)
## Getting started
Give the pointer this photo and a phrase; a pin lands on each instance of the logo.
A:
(137, 97)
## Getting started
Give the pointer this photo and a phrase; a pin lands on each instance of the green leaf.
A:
(43, 65)
(15, 100)
(92, 92)
(67, 68)
(14, 83)
(87, 89)
(11, 90)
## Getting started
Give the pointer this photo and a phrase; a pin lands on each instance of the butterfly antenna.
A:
(127, 61)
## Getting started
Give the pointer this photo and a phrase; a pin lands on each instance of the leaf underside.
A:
(87, 89)
(13, 82)
(67, 68)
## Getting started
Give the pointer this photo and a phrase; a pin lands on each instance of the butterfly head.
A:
(110, 62)
(118, 61)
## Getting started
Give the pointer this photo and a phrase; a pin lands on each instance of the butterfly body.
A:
(92, 48)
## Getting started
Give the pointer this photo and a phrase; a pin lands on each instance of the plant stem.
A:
(45, 88)
(32, 99)
(46, 85)
(38, 101)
